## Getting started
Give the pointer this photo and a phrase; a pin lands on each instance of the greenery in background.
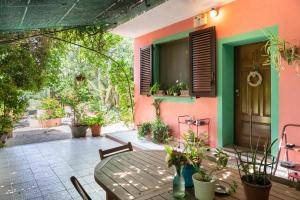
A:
(144, 129)
(51, 60)
(22, 71)
(77, 96)
(53, 109)
(160, 131)
(106, 65)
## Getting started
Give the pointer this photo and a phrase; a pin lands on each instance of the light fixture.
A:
(213, 12)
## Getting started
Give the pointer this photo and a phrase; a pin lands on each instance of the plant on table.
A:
(144, 130)
(194, 150)
(178, 160)
(255, 171)
(205, 178)
(160, 131)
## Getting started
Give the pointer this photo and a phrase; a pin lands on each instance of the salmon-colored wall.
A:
(237, 17)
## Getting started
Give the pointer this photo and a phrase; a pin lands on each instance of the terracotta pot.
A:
(78, 130)
(50, 123)
(96, 130)
(148, 137)
(160, 93)
(184, 93)
(257, 192)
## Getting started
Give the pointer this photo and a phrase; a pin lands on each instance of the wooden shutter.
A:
(145, 69)
(203, 62)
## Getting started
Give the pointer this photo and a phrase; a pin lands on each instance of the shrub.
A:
(160, 131)
(144, 129)
(53, 108)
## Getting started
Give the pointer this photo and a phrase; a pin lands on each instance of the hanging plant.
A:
(80, 78)
(277, 48)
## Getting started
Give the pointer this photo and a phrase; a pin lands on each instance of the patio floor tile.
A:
(43, 170)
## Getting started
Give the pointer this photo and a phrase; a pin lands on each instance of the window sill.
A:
(176, 99)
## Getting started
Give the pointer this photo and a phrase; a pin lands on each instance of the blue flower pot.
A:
(187, 172)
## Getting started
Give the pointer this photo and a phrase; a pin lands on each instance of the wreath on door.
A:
(251, 76)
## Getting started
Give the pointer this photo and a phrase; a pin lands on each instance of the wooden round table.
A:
(135, 175)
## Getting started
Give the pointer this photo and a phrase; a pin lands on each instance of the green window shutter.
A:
(145, 69)
(203, 62)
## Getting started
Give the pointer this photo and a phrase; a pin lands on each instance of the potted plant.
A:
(160, 131)
(194, 150)
(144, 130)
(95, 123)
(256, 174)
(204, 179)
(77, 97)
(53, 113)
(178, 160)
(184, 91)
(6, 127)
(277, 48)
(155, 89)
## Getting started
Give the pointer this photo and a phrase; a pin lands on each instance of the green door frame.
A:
(225, 77)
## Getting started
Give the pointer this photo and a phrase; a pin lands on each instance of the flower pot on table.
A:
(204, 190)
(257, 192)
(187, 172)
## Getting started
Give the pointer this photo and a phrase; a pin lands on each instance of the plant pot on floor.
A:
(257, 192)
(96, 130)
(50, 123)
(3, 138)
(204, 190)
(78, 130)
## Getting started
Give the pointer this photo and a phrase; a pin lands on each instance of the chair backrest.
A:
(109, 152)
(80, 189)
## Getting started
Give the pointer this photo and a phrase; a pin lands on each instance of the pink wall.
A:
(237, 17)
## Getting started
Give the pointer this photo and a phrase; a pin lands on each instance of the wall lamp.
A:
(213, 12)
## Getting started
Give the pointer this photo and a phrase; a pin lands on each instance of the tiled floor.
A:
(42, 170)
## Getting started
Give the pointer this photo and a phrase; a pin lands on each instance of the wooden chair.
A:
(109, 152)
(80, 189)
